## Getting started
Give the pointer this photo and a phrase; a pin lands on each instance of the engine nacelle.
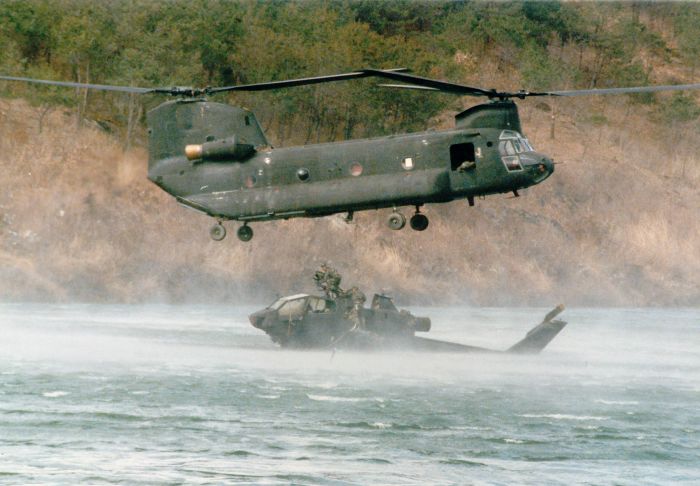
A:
(422, 324)
(217, 150)
(176, 124)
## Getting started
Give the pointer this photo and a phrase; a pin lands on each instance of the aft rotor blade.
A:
(289, 83)
(68, 84)
(638, 89)
(430, 83)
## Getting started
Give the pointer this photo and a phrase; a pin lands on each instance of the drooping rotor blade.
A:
(288, 83)
(637, 89)
(408, 86)
(445, 86)
(186, 91)
(68, 84)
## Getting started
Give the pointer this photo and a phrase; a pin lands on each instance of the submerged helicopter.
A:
(340, 320)
(214, 157)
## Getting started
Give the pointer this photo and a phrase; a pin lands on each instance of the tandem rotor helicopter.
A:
(214, 157)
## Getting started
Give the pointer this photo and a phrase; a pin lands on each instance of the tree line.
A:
(146, 43)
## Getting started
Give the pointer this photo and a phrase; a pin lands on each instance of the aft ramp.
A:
(534, 341)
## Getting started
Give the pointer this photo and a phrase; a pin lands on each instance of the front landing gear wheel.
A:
(396, 221)
(217, 232)
(419, 222)
(245, 233)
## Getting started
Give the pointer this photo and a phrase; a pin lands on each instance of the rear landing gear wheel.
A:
(396, 221)
(419, 222)
(245, 233)
(217, 232)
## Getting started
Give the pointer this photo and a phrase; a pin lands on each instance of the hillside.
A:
(615, 225)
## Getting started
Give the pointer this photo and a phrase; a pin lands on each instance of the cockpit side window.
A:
(292, 308)
(316, 304)
(511, 144)
(518, 148)
(512, 162)
(506, 147)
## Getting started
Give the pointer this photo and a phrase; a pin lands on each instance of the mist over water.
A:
(159, 394)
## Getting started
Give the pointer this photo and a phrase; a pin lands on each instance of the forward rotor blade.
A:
(638, 89)
(68, 84)
(288, 83)
(445, 86)
(408, 86)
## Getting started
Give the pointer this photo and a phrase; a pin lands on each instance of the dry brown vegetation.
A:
(617, 224)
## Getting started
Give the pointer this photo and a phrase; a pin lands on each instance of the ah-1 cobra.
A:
(214, 157)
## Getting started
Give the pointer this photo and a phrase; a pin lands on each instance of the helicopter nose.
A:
(258, 318)
(541, 167)
(546, 165)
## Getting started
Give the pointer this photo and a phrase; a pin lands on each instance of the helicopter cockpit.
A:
(295, 306)
(510, 145)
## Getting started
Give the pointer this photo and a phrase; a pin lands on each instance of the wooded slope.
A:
(617, 223)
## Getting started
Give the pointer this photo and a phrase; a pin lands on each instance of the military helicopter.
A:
(214, 158)
(339, 320)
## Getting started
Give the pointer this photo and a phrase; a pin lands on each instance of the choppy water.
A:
(171, 395)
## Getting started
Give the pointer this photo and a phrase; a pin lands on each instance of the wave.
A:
(563, 416)
(239, 453)
(617, 402)
(55, 394)
(328, 398)
(511, 440)
(326, 386)
(374, 460)
(461, 462)
(385, 426)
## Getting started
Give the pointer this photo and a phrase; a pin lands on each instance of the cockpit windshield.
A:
(510, 145)
(277, 304)
(292, 308)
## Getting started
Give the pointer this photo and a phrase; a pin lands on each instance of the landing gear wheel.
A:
(217, 232)
(419, 222)
(396, 221)
(245, 233)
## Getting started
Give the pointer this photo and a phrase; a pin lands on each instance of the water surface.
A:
(169, 395)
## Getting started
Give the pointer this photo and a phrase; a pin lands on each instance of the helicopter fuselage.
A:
(323, 179)
(215, 158)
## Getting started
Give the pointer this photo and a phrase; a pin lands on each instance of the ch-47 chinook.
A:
(214, 158)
